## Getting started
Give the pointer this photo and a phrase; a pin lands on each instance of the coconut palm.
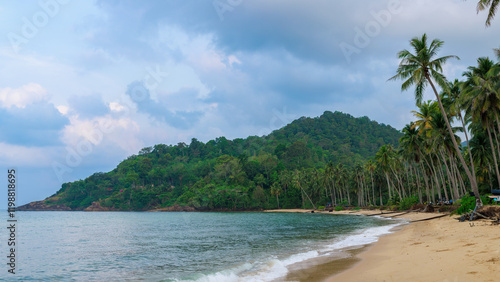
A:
(453, 95)
(497, 52)
(424, 116)
(410, 144)
(443, 147)
(480, 150)
(420, 69)
(384, 158)
(491, 6)
(484, 100)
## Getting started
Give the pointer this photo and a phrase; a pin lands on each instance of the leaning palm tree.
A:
(454, 97)
(420, 69)
(491, 6)
(484, 100)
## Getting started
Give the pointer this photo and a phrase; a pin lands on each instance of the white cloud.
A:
(63, 109)
(116, 107)
(22, 96)
(103, 131)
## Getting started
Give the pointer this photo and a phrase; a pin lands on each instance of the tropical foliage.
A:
(489, 5)
(308, 163)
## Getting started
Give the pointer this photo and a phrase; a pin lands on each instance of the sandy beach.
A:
(440, 249)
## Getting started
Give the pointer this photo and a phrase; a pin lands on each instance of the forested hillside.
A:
(290, 168)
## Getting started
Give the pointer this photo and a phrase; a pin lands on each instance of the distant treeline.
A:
(310, 162)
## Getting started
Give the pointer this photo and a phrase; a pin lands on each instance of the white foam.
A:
(363, 237)
(277, 268)
(228, 275)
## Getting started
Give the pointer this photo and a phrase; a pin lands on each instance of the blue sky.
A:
(85, 84)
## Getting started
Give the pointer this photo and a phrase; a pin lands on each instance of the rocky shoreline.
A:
(96, 206)
(41, 206)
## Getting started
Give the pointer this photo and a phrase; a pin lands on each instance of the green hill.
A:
(240, 174)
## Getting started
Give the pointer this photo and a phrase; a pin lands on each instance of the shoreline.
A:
(439, 249)
(324, 267)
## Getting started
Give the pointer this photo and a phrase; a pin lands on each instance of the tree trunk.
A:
(418, 184)
(373, 189)
(443, 182)
(453, 186)
(388, 185)
(479, 203)
(498, 127)
(433, 167)
(493, 152)
(399, 184)
(496, 141)
(426, 180)
(468, 147)
(307, 196)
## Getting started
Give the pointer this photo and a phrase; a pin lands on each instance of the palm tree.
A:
(480, 150)
(420, 69)
(491, 6)
(453, 94)
(484, 100)
(442, 146)
(424, 115)
(384, 158)
(297, 177)
(497, 52)
(410, 144)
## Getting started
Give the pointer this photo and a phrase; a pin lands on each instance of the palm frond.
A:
(491, 6)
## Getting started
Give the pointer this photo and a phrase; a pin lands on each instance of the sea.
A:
(179, 246)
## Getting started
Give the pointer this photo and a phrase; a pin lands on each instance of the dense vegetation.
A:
(295, 166)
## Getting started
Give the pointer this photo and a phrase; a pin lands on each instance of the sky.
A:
(85, 84)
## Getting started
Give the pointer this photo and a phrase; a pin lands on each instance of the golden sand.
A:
(440, 249)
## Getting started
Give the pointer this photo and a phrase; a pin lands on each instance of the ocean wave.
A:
(275, 268)
(363, 237)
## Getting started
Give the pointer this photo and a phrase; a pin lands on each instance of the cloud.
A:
(105, 131)
(22, 96)
(199, 74)
(88, 106)
(160, 110)
(34, 125)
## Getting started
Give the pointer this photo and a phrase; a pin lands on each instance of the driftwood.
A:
(383, 213)
(428, 208)
(473, 215)
(425, 219)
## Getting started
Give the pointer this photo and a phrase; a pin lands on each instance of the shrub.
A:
(469, 203)
(339, 208)
(407, 203)
(321, 207)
